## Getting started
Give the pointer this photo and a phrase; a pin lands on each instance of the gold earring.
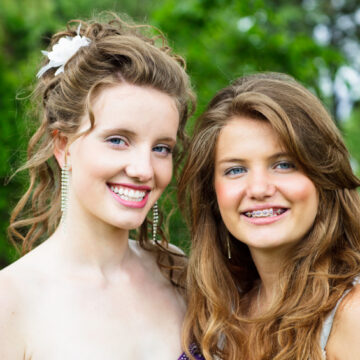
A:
(228, 247)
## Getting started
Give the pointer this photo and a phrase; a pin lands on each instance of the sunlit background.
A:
(316, 41)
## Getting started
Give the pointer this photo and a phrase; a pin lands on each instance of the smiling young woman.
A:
(114, 104)
(274, 215)
(263, 198)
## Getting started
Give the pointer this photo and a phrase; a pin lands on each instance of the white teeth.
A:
(264, 213)
(128, 194)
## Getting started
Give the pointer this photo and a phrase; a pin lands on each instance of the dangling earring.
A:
(155, 221)
(64, 191)
(228, 247)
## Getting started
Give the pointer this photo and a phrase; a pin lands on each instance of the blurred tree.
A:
(337, 23)
(223, 39)
(352, 135)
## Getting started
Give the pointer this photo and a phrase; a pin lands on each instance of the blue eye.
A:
(235, 171)
(162, 149)
(116, 141)
(285, 165)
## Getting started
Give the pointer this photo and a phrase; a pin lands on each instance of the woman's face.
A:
(121, 167)
(265, 200)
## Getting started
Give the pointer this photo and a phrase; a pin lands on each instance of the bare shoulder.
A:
(174, 264)
(177, 255)
(11, 286)
(170, 261)
(20, 286)
(176, 250)
(8, 292)
(11, 315)
(14, 282)
(344, 339)
(18, 281)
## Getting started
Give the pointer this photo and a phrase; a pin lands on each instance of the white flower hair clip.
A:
(62, 51)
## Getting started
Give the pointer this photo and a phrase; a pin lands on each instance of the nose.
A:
(140, 167)
(260, 185)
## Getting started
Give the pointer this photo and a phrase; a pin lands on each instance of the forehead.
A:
(247, 137)
(128, 105)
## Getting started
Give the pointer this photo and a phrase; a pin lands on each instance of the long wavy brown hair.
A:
(318, 270)
(119, 51)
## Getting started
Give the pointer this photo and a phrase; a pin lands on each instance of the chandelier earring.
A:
(155, 223)
(64, 191)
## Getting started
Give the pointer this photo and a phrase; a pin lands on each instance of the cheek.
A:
(310, 198)
(227, 193)
(302, 191)
(89, 165)
(163, 174)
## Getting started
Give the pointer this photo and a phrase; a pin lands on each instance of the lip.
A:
(129, 203)
(131, 186)
(262, 207)
(265, 220)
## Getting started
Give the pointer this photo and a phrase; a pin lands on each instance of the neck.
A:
(269, 266)
(86, 241)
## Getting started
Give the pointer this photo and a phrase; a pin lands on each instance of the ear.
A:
(61, 149)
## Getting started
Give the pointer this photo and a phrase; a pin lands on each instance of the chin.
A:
(262, 242)
(121, 222)
(129, 225)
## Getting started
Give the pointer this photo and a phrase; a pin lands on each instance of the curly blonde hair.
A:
(321, 268)
(119, 51)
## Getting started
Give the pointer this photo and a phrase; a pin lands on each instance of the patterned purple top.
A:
(194, 351)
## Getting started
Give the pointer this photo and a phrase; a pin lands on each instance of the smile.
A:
(271, 212)
(128, 194)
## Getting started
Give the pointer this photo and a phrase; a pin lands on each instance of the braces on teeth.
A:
(264, 213)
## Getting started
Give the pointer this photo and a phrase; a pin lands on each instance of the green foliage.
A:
(220, 39)
(352, 137)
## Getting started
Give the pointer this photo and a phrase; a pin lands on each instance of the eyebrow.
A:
(129, 133)
(168, 139)
(279, 155)
(109, 131)
(239, 160)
